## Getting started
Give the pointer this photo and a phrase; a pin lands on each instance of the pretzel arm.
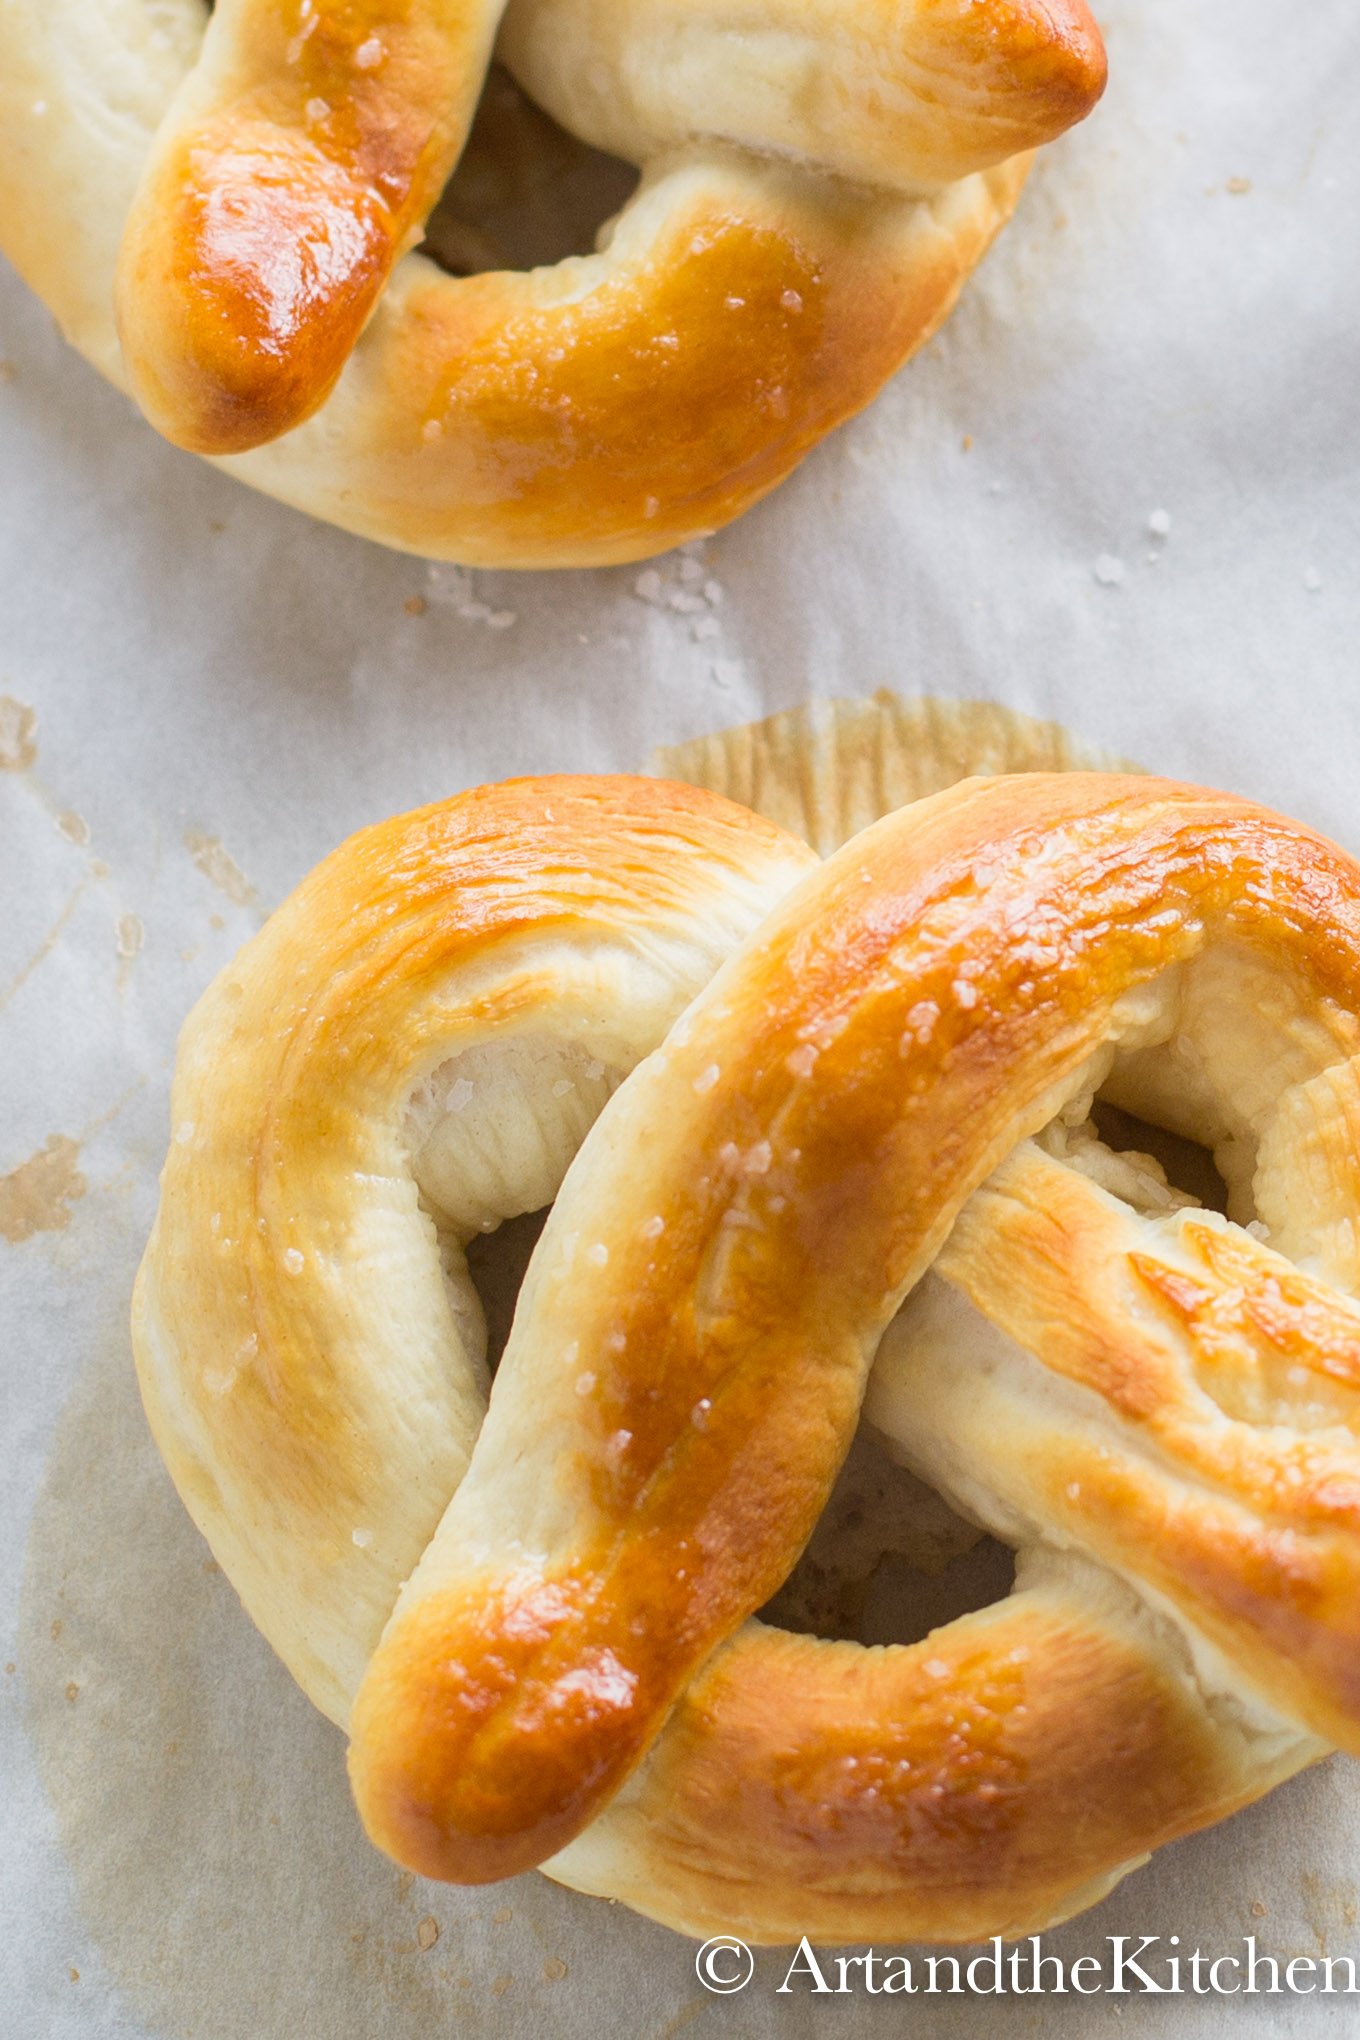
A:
(1170, 1395)
(994, 1778)
(908, 96)
(297, 165)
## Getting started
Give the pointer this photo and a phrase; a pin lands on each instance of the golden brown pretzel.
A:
(818, 180)
(894, 1069)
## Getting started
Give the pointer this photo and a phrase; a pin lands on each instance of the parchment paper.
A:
(220, 689)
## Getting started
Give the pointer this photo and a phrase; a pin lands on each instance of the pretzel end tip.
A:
(1077, 65)
(1048, 62)
(477, 1751)
(248, 269)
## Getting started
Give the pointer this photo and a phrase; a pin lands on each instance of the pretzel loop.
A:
(891, 1074)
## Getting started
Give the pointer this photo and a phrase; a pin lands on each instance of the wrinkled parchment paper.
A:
(1122, 490)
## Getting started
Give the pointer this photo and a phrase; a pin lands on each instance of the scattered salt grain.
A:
(1159, 524)
(1109, 571)
(454, 588)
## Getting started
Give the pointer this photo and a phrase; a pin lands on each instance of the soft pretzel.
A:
(866, 1134)
(818, 180)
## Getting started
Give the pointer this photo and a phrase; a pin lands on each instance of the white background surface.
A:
(204, 665)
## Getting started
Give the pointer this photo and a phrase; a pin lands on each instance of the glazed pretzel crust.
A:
(891, 1074)
(818, 182)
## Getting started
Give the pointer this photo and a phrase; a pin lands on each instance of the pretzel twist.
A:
(818, 179)
(860, 1151)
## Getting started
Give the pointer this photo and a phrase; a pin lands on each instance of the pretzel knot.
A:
(841, 1134)
(819, 176)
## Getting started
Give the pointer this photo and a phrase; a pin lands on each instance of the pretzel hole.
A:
(889, 1559)
(1187, 1165)
(497, 1263)
(526, 194)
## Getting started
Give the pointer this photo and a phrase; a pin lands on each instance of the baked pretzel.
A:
(877, 1095)
(819, 176)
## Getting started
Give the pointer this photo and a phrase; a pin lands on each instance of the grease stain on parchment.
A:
(219, 867)
(73, 827)
(38, 1195)
(18, 725)
(44, 948)
(1329, 1906)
